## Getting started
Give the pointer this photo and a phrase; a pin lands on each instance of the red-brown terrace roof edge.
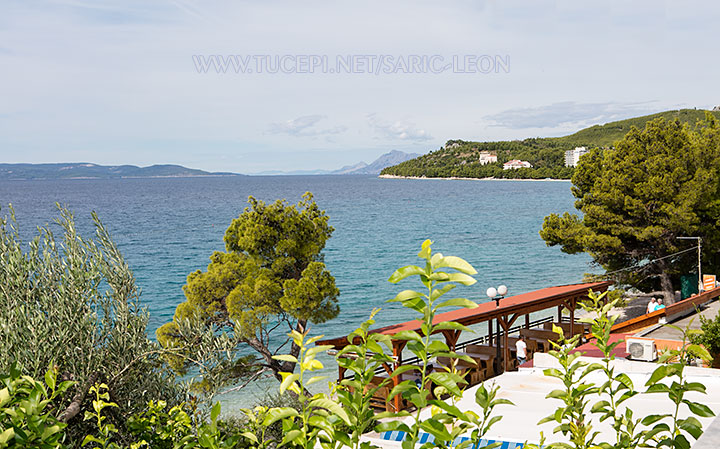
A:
(508, 305)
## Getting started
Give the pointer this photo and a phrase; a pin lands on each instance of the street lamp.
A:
(699, 248)
(497, 294)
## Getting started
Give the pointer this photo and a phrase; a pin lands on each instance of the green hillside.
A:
(460, 158)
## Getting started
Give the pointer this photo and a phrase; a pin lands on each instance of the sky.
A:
(318, 85)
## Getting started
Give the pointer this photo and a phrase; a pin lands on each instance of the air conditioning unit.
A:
(641, 349)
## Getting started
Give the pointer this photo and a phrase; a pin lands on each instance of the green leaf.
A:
(404, 272)
(287, 382)
(451, 325)
(408, 335)
(286, 358)
(458, 302)
(406, 295)
(659, 373)
(455, 263)
(693, 428)
(699, 409)
(291, 436)
(448, 380)
(651, 419)
(8, 435)
(332, 407)
(215, 412)
(695, 386)
(461, 278)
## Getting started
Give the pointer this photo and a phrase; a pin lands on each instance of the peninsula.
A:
(531, 158)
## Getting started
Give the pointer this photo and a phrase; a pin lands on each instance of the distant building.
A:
(716, 108)
(573, 156)
(515, 164)
(487, 158)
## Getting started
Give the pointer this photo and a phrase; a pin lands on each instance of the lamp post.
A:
(496, 294)
(699, 248)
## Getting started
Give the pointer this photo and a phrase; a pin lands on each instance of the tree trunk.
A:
(74, 408)
(666, 285)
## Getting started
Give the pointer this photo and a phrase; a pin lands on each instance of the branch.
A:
(247, 382)
(74, 408)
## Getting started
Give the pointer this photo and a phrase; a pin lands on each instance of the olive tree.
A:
(72, 302)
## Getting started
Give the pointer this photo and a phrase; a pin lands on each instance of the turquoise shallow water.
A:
(167, 228)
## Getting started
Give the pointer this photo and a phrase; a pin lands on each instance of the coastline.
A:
(457, 178)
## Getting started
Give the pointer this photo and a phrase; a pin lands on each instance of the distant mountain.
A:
(350, 169)
(95, 171)
(375, 167)
(361, 168)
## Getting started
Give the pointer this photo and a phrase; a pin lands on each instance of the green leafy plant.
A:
(71, 301)
(573, 417)
(487, 400)
(362, 358)
(618, 387)
(27, 412)
(709, 338)
(439, 276)
(209, 435)
(106, 430)
(159, 428)
(314, 423)
(669, 379)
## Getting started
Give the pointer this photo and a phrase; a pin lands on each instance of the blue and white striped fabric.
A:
(397, 435)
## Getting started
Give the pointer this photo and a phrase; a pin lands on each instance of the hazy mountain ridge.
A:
(82, 170)
(361, 168)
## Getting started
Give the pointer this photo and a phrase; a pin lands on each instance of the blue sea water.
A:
(168, 227)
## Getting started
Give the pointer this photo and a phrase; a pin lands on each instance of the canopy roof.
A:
(519, 304)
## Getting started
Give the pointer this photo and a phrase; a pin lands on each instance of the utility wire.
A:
(643, 265)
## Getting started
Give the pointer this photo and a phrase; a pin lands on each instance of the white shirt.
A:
(521, 349)
(651, 307)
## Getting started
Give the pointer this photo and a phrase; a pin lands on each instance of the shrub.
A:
(73, 302)
(27, 411)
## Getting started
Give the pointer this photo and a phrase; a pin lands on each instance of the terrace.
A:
(491, 358)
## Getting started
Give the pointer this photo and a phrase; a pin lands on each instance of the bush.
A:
(710, 337)
(73, 303)
(26, 410)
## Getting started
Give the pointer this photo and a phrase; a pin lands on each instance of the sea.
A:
(168, 227)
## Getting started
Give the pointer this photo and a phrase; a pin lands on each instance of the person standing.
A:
(521, 349)
(651, 305)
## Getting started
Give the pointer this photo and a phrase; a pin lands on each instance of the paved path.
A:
(668, 333)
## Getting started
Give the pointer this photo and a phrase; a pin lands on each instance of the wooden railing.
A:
(483, 340)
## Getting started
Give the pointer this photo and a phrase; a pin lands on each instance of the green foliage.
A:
(362, 358)
(439, 276)
(270, 277)
(461, 158)
(209, 435)
(159, 428)
(27, 412)
(617, 388)
(669, 379)
(106, 431)
(314, 423)
(573, 417)
(72, 302)
(657, 184)
(710, 337)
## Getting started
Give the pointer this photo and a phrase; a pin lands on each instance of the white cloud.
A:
(304, 126)
(569, 112)
(398, 130)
